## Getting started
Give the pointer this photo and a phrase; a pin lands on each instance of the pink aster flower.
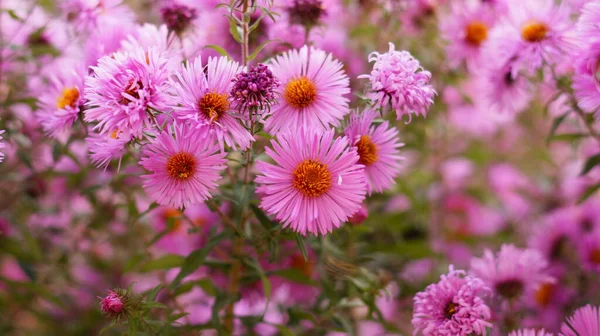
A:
(202, 99)
(452, 307)
(105, 148)
(312, 93)
(584, 322)
(184, 167)
(512, 272)
(535, 31)
(2, 145)
(589, 251)
(62, 99)
(586, 81)
(123, 88)
(88, 15)
(588, 30)
(398, 79)
(530, 332)
(504, 90)
(377, 147)
(466, 29)
(315, 183)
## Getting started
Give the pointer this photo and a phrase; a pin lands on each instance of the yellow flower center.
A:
(174, 216)
(181, 166)
(367, 150)
(300, 92)
(312, 178)
(68, 97)
(476, 33)
(450, 309)
(214, 105)
(534, 31)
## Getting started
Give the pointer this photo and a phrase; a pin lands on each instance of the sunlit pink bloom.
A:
(452, 307)
(398, 79)
(202, 100)
(313, 89)
(584, 322)
(89, 15)
(123, 88)
(512, 272)
(315, 184)
(184, 166)
(377, 147)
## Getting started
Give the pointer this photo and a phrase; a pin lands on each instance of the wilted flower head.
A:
(255, 88)
(452, 307)
(584, 322)
(178, 17)
(398, 79)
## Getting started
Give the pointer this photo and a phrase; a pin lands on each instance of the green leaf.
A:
(265, 281)
(590, 163)
(589, 192)
(151, 295)
(233, 29)
(196, 259)
(218, 49)
(284, 331)
(152, 305)
(14, 15)
(555, 123)
(165, 262)
(295, 275)
(259, 48)
(300, 242)
(569, 137)
(262, 217)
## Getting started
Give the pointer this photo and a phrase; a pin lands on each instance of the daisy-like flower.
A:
(588, 30)
(315, 183)
(535, 31)
(513, 272)
(589, 251)
(504, 90)
(105, 148)
(530, 332)
(398, 79)
(62, 100)
(586, 81)
(122, 89)
(452, 307)
(584, 322)
(1, 145)
(184, 166)
(202, 99)
(377, 147)
(466, 29)
(312, 93)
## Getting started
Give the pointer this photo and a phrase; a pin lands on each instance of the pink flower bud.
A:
(112, 304)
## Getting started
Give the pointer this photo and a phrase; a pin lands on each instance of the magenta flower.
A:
(62, 99)
(123, 88)
(588, 31)
(313, 91)
(178, 17)
(452, 307)
(586, 81)
(584, 322)
(534, 32)
(112, 304)
(504, 90)
(398, 79)
(184, 166)
(315, 183)
(513, 273)
(377, 147)
(530, 332)
(202, 100)
(589, 251)
(255, 89)
(105, 148)
(466, 28)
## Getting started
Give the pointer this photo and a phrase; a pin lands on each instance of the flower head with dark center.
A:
(306, 12)
(178, 17)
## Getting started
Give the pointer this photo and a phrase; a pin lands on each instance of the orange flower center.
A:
(544, 294)
(367, 150)
(68, 97)
(476, 33)
(132, 90)
(534, 31)
(214, 105)
(181, 166)
(174, 217)
(312, 178)
(300, 92)
(450, 309)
